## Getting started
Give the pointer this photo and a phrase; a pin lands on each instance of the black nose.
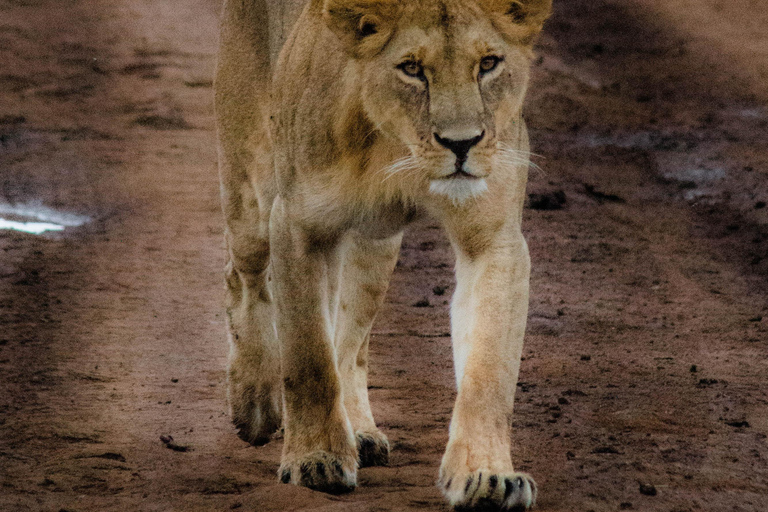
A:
(459, 147)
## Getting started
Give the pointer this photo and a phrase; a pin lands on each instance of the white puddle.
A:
(36, 228)
(37, 219)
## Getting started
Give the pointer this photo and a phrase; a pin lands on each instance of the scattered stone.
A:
(423, 303)
(707, 382)
(563, 401)
(738, 424)
(546, 201)
(648, 489)
(170, 444)
(174, 380)
(439, 290)
(694, 368)
(758, 318)
(586, 357)
(625, 505)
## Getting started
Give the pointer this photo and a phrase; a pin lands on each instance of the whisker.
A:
(508, 155)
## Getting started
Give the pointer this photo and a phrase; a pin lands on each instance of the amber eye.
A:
(412, 68)
(489, 63)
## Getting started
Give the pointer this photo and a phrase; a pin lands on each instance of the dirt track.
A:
(647, 355)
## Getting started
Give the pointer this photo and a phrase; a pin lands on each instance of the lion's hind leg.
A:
(366, 270)
(254, 387)
(247, 192)
(253, 369)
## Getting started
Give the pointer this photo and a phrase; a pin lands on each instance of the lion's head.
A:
(444, 77)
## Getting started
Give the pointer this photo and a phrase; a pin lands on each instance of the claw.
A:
(492, 483)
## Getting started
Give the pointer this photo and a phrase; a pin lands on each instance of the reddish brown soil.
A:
(646, 360)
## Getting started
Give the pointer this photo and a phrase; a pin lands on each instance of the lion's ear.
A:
(520, 19)
(363, 26)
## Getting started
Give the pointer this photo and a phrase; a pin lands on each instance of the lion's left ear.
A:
(363, 26)
(520, 19)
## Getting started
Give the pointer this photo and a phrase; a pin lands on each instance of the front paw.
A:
(485, 490)
(372, 449)
(320, 471)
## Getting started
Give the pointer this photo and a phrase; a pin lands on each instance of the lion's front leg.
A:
(488, 317)
(366, 270)
(319, 450)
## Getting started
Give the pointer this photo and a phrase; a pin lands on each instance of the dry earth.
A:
(644, 380)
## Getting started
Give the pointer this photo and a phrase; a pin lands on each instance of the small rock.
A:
(647, 489)
(694, 368)
(586, 357)
(439, 290)
(171, 445)
(423, 303)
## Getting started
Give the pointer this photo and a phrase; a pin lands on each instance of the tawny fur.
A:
(326, 153)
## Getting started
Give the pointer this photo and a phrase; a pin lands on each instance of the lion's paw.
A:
(257, 416)
(320, 471)
(372, 449)
(487, 491)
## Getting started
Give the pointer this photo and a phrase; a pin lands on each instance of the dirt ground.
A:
(643, 385)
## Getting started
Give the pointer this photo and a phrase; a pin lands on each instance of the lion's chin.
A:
(458, 189)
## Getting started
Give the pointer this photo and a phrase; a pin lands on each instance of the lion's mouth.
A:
(461, 174)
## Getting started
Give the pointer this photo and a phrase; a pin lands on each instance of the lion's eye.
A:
(412, 68)
(489, 63)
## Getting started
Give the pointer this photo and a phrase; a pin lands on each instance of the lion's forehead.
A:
(459, 41)
(444, 13)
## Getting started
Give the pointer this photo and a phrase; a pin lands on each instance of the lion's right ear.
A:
(520, 19)
(363, 26)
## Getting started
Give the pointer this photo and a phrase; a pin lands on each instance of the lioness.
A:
(374, 111)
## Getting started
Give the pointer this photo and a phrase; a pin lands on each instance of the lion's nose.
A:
(459, 147)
